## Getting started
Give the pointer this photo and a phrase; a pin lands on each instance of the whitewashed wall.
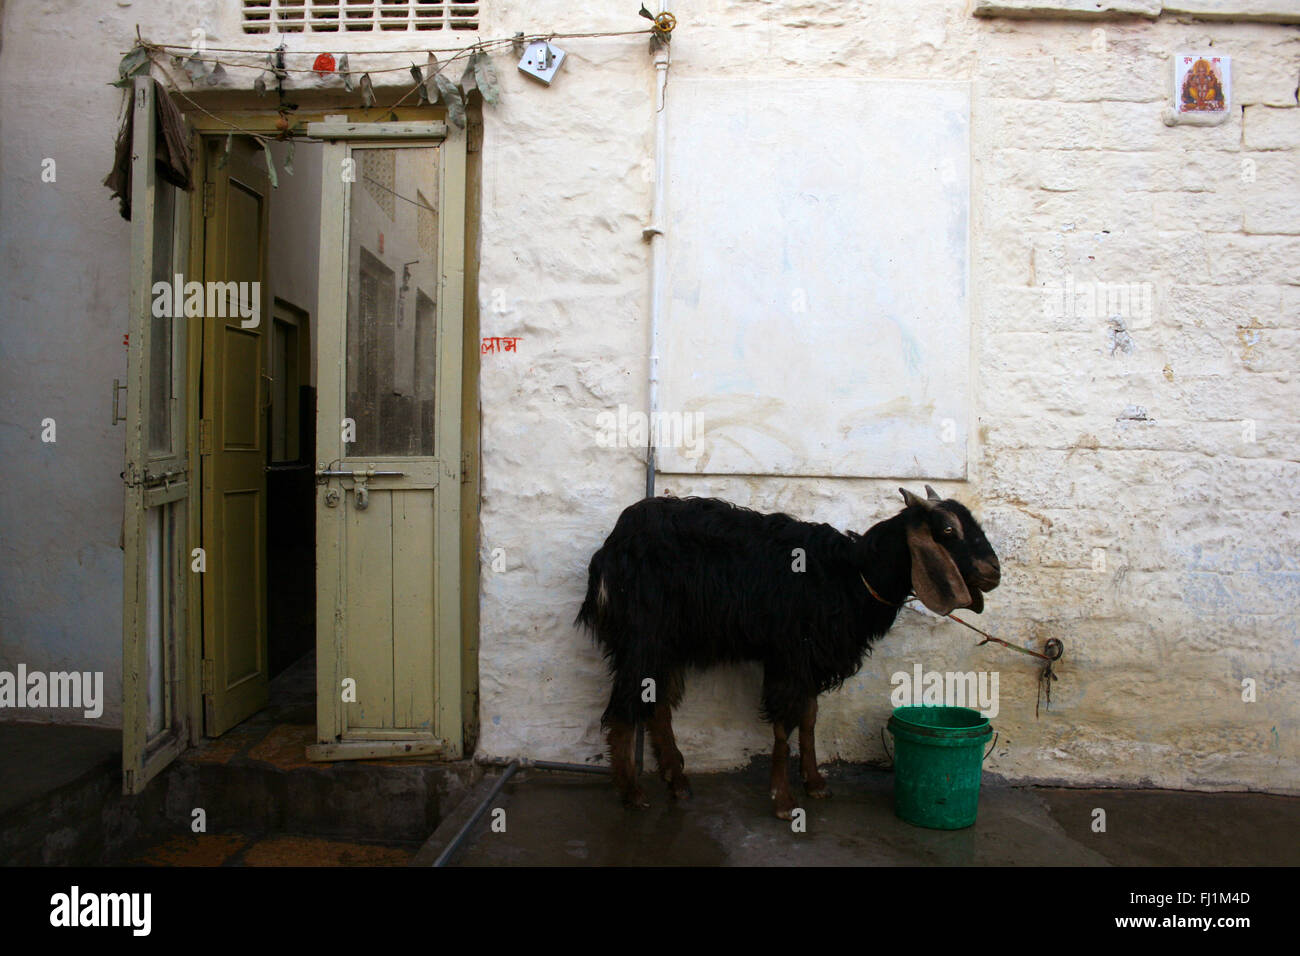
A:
(1085, 436)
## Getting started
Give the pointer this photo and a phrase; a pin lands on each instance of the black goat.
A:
(690, 582)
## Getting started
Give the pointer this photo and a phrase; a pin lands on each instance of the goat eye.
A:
(947, 530)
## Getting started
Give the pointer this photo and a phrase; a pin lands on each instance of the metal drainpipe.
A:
(512, 766)
(654, 232)
(445, 856)
(527, 763)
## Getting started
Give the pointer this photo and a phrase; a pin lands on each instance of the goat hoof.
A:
(817, 788)
(784, 808)
(635, 800)
(680, 789)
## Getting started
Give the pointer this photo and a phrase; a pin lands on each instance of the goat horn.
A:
(929, 493)
(912, 499)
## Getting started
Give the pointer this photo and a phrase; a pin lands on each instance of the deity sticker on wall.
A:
(1202, 88)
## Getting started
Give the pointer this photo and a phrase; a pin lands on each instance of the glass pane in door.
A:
(160, 331)
(392, 288)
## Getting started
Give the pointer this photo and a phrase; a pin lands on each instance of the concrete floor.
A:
(268, 806)
(560, 819)
(36, 759)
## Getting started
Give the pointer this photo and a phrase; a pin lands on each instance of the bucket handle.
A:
(891, 756)
(991, 746)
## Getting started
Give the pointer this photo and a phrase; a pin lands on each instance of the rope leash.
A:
(1054, 649)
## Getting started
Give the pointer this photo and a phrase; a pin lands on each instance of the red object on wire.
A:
(324, 63)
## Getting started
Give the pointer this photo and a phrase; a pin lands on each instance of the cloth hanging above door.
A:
(174, 159)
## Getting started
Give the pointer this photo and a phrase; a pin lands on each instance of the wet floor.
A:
(561, 819)
(235, 849)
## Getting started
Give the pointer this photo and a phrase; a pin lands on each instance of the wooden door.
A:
(233, 439)
(156, 564)
(388, 440)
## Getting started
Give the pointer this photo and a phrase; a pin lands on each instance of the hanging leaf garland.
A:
(367, 91)
(267, 75)
(343, 72)
(195, 68)
(468, 81)
(430, 90)
(452, 98)
(485, 78)
(270, 165)
(132, 65)
(419, 83)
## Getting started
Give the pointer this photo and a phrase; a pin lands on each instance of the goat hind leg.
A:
(782, 799)
(621, 737)
(814, 783)
(667, 756)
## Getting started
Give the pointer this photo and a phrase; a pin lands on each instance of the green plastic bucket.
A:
(938, 759)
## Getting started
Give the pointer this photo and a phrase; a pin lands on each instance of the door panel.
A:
(154, 663)
(388, 444)
(234, 453)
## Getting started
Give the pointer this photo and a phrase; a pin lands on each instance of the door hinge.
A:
(209, 198)
(209, 676)
(464, 468)
(205, 436)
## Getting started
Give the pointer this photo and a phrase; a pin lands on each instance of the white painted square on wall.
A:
(817, 317)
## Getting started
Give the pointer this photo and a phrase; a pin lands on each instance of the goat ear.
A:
(935, 578)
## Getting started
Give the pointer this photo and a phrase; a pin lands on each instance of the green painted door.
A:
(233, 439)
(388, 440)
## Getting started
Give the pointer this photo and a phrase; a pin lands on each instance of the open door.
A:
(388, 450)
(155, 563)
(233, 432)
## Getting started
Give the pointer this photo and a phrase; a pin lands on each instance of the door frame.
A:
(217, 122)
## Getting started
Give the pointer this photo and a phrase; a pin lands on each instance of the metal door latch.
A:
(118, 389)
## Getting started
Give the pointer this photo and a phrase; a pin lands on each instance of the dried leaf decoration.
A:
(343, 72)
(132, 65)
(451, 96)
(217, 75)
(485, 77)
(646, 13)
(268, 73)
(430, 84)
(468, 81)
(367, 91)
(419, 83)
(195, 68)
(288, 159)
(270, 165)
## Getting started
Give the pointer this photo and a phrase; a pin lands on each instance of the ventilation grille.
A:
(357, 16)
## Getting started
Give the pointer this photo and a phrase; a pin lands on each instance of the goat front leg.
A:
(782, 799)
(814, 783)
